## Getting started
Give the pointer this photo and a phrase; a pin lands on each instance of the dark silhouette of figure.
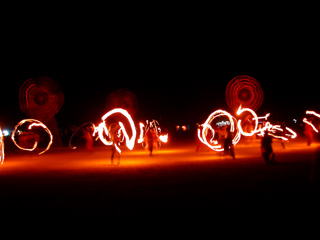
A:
(199, 128)
(266, 149)
(284, 132)
(87, 135)
(308, 131)
(228, 147)
(151, 138)
(114, 137)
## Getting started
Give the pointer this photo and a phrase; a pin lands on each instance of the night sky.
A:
(178, 75)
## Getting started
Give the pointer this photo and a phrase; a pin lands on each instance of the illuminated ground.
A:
(175, 183)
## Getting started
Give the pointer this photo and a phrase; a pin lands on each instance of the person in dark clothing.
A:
(266, 149)
(151, 138)
(113, 130)
(228, 146)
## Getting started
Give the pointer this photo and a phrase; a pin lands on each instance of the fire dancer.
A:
(114, 137)
(308, 131)
(151, 138)
(266, 149)
(228, 146)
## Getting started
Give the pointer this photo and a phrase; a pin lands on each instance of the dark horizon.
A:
(175, 87)
(177, 97)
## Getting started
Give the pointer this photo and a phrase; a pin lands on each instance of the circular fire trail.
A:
(33, 123)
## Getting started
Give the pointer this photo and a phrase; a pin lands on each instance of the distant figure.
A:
(150, 138)
(266, 149)
(228, 146)
(114, 137)
(87, 135)
(284, 132)
(199, 128)
(308, 131)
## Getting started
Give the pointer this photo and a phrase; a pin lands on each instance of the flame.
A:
(154, 125)
(141, 137)
(307, 122)
(313, 113)
(213, 144)
(163, 138)
(255, 117)
(33, 122)
(102, 128)
(272, 130)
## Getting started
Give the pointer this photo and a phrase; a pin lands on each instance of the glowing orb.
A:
(244, 90)
(33, 123)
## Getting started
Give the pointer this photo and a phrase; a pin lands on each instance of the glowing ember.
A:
(36, 123)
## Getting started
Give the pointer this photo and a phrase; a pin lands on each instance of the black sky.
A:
(178, 73)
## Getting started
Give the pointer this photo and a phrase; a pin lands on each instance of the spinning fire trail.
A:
(206, 133)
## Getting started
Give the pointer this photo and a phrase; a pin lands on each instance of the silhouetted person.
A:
(308, 131)
(87, 135)
(113, 130)
(150, 139)
(228, 146)
(284, 132)
(266, 148)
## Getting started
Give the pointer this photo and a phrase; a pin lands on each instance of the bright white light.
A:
(5, 133)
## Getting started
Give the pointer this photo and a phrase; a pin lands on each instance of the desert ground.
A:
(175, 183)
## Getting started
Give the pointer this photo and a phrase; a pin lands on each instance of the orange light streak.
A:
(37, 123)
(272, 130)
(102, 128)
(255, 117)
(307, 122)
(154, 125)
(313, 113)
(140, 140)
(213, 144)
